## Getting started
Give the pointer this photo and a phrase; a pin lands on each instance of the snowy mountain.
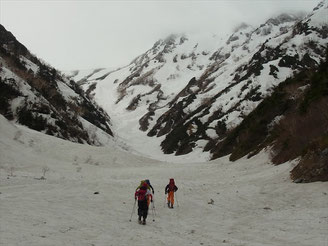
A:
(38, 96)
(192, 96)
(187, 92)
(256, 97)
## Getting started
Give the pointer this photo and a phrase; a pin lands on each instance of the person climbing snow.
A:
(142, 195)
(149, 187)
(170, 189)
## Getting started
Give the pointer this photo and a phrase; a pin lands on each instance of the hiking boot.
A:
(139, 220)
(171, 206)
(143, 222)
(168, 204)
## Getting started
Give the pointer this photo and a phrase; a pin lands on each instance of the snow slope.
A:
(254, 204)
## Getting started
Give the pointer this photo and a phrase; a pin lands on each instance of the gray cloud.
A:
(88, 34)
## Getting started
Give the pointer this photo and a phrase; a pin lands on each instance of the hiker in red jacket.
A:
(170, 189)
(142, 195)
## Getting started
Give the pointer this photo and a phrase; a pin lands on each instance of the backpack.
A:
(172, 185)
(142, 195)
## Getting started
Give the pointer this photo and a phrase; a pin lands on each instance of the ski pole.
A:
(133, 209)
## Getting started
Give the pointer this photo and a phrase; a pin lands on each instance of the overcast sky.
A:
(91, 34)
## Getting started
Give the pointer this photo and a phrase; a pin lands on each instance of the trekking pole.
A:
(154, 209)
(133, 209)
(153, 212)
(176, 196)
(164, 200)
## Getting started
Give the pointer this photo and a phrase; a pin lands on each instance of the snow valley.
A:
(86, 198)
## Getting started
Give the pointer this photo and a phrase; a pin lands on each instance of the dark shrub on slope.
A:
(301, 105)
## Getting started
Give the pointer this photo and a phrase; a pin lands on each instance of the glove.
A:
(165, 192)
(151, 200)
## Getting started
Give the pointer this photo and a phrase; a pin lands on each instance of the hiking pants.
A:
(170, 197)
(143, 209)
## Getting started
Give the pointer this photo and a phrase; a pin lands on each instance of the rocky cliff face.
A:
(38, 96)
(189, 91)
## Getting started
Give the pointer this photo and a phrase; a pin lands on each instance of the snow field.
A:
(254, 202)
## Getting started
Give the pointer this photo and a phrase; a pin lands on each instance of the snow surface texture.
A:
(49, 197)
(238, 71)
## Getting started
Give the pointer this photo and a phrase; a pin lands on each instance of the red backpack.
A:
(141, 194)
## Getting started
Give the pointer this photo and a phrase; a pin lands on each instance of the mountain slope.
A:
(38, 96)
(293, 120)
(186, 92)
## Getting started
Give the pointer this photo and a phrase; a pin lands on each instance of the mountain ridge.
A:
(40, 97)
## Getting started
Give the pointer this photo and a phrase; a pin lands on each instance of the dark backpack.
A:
(171, 185)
